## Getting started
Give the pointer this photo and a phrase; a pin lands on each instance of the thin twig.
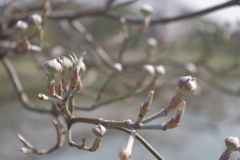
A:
(19, 89)
(145, 143)
(103, 88)
(59, 143)
(111, 100)
(100, 12)
(90, 40)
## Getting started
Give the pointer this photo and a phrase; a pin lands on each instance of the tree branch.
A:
(102, 13)
(20, 91)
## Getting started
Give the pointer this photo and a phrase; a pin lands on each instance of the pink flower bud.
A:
(124, 155)
(67, 63)
(191, 67)
(35, 19)
(146, 10)
(117, 67)
(160, 70)
(149, 69)
(99, 131)
(77, 62)
(172, 106)
(20, 26)
(174, 122)
(145, 106)
(187, 84)
(232, 143)
(53, 67)
(152, 42)
(24, 141)
(83, 67)
(25, 150)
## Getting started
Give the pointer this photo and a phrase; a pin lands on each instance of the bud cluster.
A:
(61, 65)
(21, 27)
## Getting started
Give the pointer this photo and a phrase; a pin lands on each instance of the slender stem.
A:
(50, 99)
(106, 123)
(129, 146)
(123, 49)
(159, 114)
(109, 101)
(59, 143)
(69, 133)
(131, 93)
(90, 40)
(145, 143)
(103, 88)
(71, 103)
(177, 18)
(69, 92)
(22, 96)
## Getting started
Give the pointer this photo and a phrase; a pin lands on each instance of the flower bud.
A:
(35, 19)
(77, 62)
(145, 106)
(117, 67)
(160, 70)
(25, 150)
(83, 67)
(187, 84)
(124, 155)
(149, 69)
(57, 51)
(172, 106)
(149, 98)
(67, 63)
(152, 42)
(99, 131)
(191, 67)
(20, 26)
(232, 143)
(53, 67)
(174, 122)
(146, 9)
(24, 141)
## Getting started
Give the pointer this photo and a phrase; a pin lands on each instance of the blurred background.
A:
(205, 47)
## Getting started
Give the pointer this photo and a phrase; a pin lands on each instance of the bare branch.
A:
(19, 89)
(100, 12)
(144, 142)
(31, 149)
